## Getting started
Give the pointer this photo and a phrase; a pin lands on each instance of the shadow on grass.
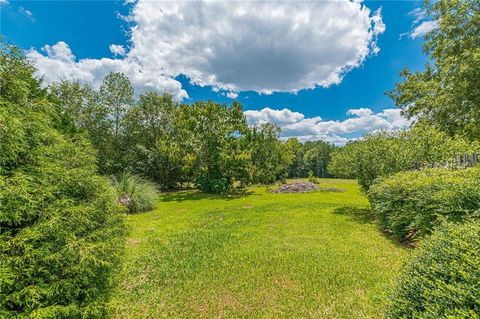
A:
(366, 216)
(361, 215)
(192, 195)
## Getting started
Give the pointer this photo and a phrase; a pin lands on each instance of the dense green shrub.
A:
(312, 178)
(442, 279)
(410, 204)
(61, 232)
(214, 186)
(135, 193)
(381, 154)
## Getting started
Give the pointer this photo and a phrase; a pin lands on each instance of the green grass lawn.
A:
(263, 255)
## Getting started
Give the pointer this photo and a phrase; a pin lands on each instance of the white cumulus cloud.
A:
(263, 46)
(361, 121)
(232, 95)
(117, 49)
(268, 115)
(59, 63)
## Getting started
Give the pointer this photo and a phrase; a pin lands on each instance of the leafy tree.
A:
(80, 111)
(316, 157)
(447, 93)
(297, 166)
(376, 155)
(154, 141)
(72, 100)
(269, 156)
(205, 143)
(309, 159)
(213, 136)
(61, 231)
(99, 114)
(116, 95)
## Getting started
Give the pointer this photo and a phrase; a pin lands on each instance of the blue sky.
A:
(86, 30)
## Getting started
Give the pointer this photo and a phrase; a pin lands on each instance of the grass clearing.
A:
(262, 255)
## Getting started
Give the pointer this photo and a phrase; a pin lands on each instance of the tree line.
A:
(204, 143)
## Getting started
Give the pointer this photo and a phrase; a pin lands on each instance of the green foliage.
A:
(312, 178)
(442, 279)
(378, 154)
(116, 96)
(269, 156)
(206, 143)
(154, 140)
(411, 204)
(213, 135)
(79, 111)
(309, 157)
(384, 153)
(100, 114)
(317, 157)
(135, 193)
(61, 232)
(213, 185)
(447, 94)
(295, 149)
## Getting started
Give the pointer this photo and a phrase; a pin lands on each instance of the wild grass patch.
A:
(135, 193)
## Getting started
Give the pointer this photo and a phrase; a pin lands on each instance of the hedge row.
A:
(410, 204)
(442, 279)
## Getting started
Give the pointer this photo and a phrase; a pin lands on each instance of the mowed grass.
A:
(261, 255)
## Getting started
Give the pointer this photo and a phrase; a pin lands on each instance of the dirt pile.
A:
(301, 187)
